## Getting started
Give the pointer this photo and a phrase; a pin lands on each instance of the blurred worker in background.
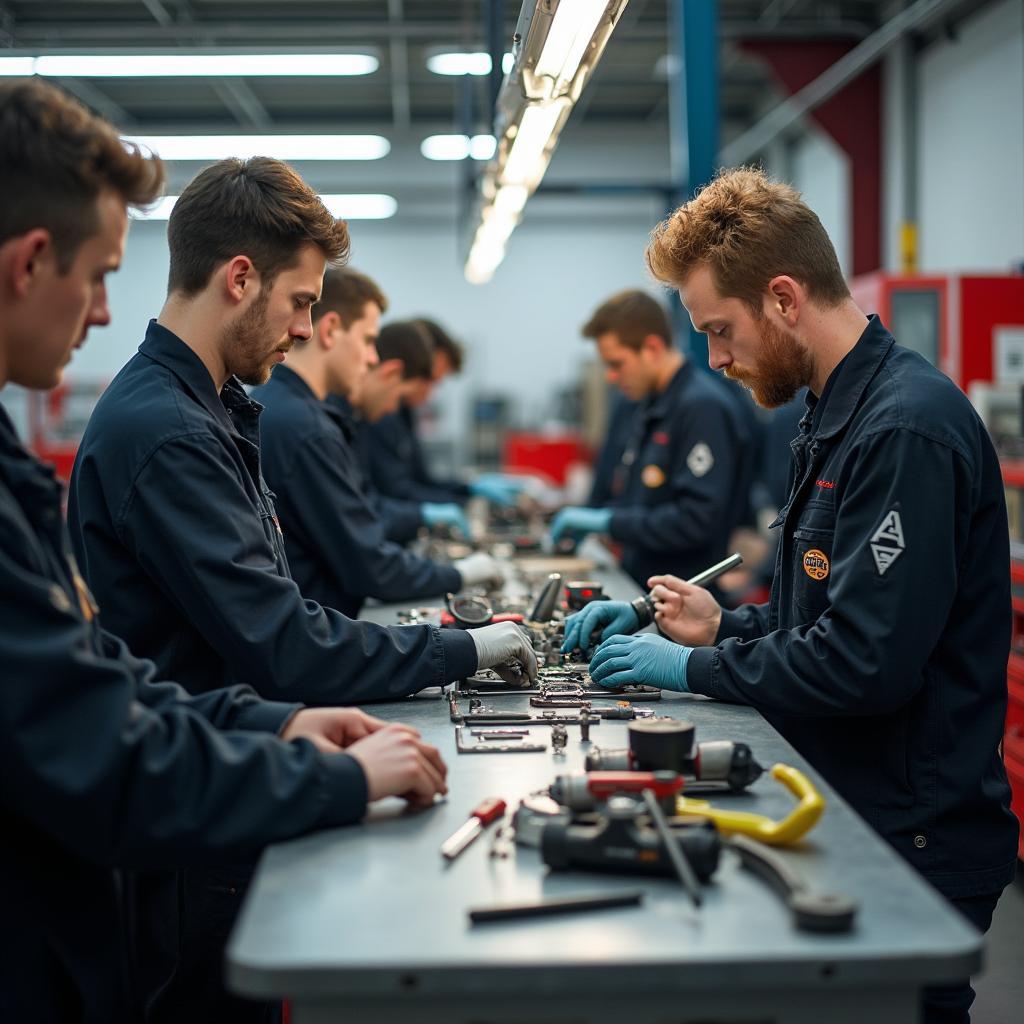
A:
(173, 524)
(335, 538)
(110, 779)
(393, 456)
(881, 654)
(404, 370)
(681, 483)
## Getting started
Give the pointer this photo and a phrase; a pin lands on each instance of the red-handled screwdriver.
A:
(479, 818)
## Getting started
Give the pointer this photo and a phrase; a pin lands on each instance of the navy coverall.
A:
(401, 518)
(177, 534)
(393, 459)
(105, 773)
(881, 655)
(617, 435)
(335, 540)
(680, 487)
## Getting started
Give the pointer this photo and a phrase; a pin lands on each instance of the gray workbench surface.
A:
(373, 913)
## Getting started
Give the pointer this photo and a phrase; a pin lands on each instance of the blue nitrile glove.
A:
(445, 514)
(644, 658)
(580, 520)
(498, 488)
(614, 616)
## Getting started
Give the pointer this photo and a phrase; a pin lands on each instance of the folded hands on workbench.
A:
(643, 658)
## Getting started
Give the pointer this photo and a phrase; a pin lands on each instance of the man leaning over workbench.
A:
(108, 776)
(881, 654)
(174, 526)
(334, 537)
(680, 488)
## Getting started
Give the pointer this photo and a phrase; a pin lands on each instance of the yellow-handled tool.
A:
(793, 827)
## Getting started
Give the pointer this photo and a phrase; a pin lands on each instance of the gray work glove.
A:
(479, 568)
(503, 643)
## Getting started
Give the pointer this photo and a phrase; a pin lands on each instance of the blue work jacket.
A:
(881, 655)
(680, 488)
(336, 542)
(105, 772)
(178, 535)
(393, 459)
(402, 518)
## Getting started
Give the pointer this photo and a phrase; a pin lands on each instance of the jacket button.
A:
(920, 842)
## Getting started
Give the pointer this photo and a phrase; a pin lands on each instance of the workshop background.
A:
(901, 121)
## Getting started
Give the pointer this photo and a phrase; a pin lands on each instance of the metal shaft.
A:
(711, 574)
(675, 853)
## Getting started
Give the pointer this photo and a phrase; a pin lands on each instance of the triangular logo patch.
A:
(884, 557)
(891, 530)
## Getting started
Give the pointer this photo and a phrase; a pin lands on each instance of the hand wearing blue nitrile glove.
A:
(614, 616)
(645, 658)
(497, 488)
(580, 520)
(445, 514)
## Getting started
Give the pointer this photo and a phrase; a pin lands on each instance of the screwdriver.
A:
(479, 818)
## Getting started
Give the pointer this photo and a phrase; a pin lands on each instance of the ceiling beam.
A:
(398, 54)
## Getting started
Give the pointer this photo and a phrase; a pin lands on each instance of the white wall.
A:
(971, 146)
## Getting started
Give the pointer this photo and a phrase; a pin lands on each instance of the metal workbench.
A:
(368, 924)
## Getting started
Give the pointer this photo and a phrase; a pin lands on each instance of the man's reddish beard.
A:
(782, 367)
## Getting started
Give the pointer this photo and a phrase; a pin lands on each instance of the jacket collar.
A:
(167, 349)
(286, 377)
(340, 410)
(34, 484)
(658, 405)
(848, 381)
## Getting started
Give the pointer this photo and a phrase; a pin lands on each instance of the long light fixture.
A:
(559, 45)
(348, 206)
(455, 63)
(284, 147)
(190, 65)
(458, 147)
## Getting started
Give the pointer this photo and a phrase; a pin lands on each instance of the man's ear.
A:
(390, 369)
(785, 298)
(325, 327)
(240, 277)
(653, 344)
(25, 256)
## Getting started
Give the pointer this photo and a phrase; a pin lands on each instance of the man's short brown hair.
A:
(258, 208)
(408, 341)
(748, 229)
(631, 316)
(346, 292)
(444, 343)
(55, 159)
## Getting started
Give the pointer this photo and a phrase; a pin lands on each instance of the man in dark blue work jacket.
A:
(390, 449)
(881, 654)
(679, 489)
(403, 372)
(171, 519)
(335, 539)
(108, 776)
(174, 526)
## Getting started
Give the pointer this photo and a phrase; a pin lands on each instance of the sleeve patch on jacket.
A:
(700, 460)
(888, 544)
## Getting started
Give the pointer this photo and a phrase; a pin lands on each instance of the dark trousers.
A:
(209, 901)
(951, 1004)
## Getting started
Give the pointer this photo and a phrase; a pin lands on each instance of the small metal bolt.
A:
(559, 738)
(585, 727)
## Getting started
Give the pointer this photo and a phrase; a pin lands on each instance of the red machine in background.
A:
(57, 419)
(970, 327)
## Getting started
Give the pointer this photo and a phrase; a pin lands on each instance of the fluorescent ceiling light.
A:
(192, 65)
(571, 31)
(525, 161)
(466, 63)
(349, 206)
(360, 206)
(16, 67)
(458, 147)
(284, 147)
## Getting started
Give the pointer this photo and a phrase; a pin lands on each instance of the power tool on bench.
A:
(667, 744)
